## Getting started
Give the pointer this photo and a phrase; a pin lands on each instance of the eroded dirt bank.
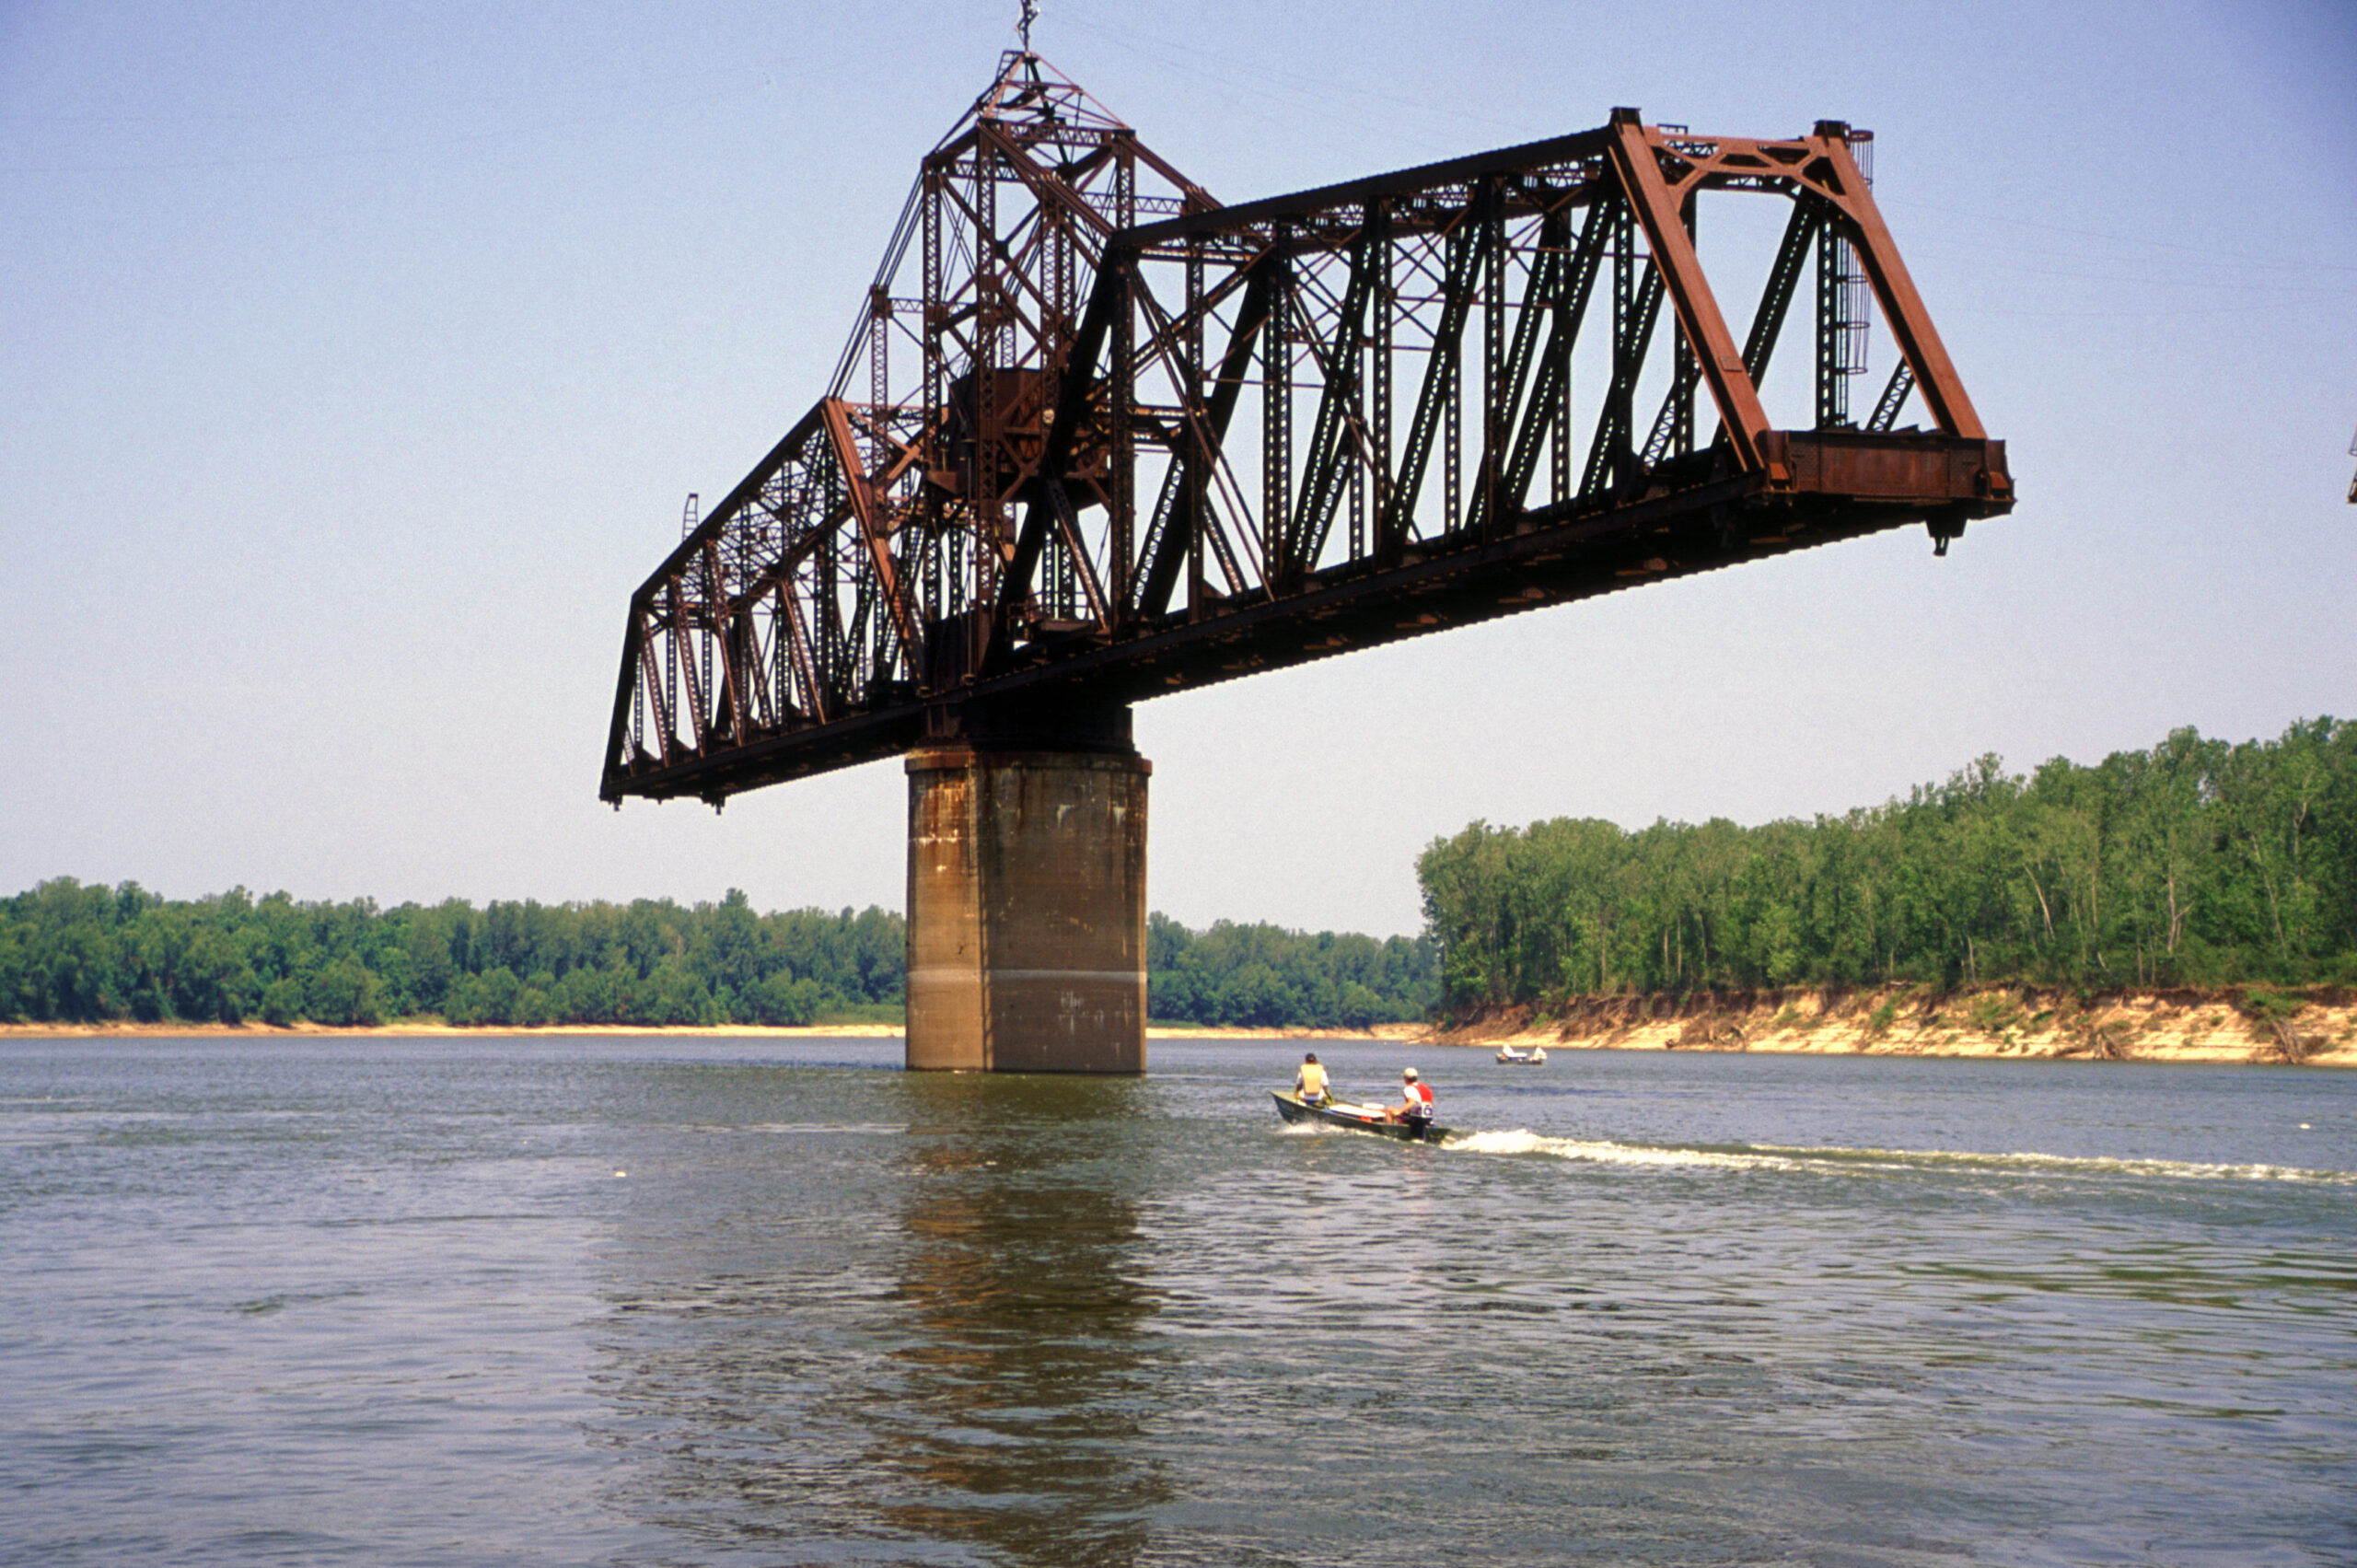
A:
(2311, 1028)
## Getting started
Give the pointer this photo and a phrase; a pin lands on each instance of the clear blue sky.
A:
(354, 361)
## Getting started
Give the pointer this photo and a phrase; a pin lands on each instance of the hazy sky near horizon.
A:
(354, 361)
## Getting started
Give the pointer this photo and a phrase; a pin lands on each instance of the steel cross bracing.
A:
(1098, 437)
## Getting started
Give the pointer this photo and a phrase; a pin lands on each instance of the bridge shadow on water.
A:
(917, 1333)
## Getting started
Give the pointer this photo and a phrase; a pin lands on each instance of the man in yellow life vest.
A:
(1309, 1083)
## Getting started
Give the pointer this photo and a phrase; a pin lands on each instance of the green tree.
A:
(282, 1001)
(345, 994)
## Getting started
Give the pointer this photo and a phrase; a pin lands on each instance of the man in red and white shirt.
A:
(1417, 1102)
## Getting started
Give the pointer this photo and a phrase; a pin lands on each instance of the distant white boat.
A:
(1535, 1057)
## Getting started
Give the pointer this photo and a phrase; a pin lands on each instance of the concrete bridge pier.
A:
(1027, 897)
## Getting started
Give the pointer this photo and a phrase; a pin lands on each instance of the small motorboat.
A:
(1359, 1118)
(1535, 1057)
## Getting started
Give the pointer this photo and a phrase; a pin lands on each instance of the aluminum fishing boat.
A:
(1358, 1117)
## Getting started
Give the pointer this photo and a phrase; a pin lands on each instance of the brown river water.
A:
(651, 1301)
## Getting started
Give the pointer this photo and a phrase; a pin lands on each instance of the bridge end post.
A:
(1027, 909)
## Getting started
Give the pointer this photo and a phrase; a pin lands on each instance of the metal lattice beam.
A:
(1096, 436)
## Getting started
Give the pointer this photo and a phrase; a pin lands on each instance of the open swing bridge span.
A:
(1098, 437)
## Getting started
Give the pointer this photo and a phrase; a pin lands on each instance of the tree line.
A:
(75, 953)
(88, 954)
(2196, 863)
(1265, 976)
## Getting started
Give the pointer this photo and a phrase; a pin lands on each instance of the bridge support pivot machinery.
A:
(1098, 437)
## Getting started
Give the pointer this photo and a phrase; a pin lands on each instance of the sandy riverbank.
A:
(2143, 1026)
(2132, 1024)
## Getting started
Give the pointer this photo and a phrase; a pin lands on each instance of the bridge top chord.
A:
(1098, 437)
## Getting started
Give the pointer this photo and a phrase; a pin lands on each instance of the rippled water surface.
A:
(664, 1302)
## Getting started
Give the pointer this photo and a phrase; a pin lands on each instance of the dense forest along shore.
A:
(2198, 864)
(2317, 1028)
(2197, 901)
(76, 956)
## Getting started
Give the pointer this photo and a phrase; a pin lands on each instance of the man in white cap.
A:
(1416, 1105)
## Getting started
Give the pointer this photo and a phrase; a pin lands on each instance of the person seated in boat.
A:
(1416, 1103)
(1309, 1083)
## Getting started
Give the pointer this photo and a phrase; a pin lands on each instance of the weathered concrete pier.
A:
(1026, 909)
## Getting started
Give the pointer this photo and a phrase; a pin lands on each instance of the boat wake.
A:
(1834, 1158)
(2030, 1163)
(1604, 1152)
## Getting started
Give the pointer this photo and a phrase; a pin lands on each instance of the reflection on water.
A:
(1025, 1384)
(936, 1342)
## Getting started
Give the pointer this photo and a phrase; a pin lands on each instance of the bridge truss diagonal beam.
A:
(1098, 437)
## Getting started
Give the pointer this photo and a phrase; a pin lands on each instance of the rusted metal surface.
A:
(1026, 911)
(1098, 437)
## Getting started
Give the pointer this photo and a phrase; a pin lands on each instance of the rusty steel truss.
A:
(1098, 437)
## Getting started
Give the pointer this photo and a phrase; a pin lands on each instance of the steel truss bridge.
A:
(1098, 437)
